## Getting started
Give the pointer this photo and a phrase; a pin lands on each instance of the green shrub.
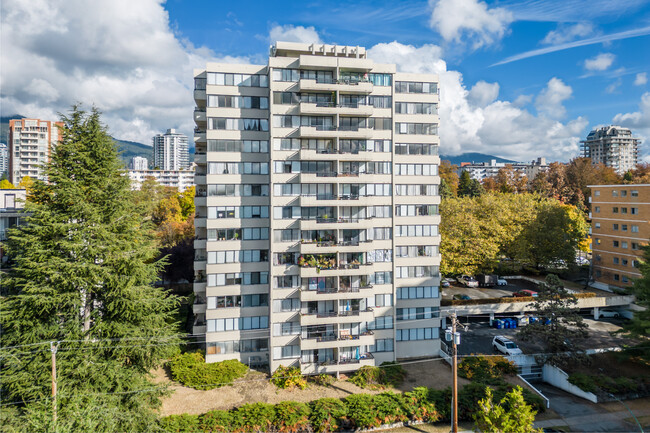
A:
(216, 421)
(361, 411)
(441, 399)
(324, 379)
(388, 374)
(485, 369)
(584, 382)
(191, 370)
(327, 414)
(184, 423)
(389, 408)
(291, 416)
(288, 377)
(416, 405)
(253, 417)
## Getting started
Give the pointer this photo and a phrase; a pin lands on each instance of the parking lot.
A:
(513, 286)
(478, 337)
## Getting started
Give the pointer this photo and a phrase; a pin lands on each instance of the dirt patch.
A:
(255, 387)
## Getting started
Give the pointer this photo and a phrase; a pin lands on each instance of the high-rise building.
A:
(316, 210)
(170, 151)
(30, 144)
(139, 163)
(612, 146)
(4, 158)
(620, 227)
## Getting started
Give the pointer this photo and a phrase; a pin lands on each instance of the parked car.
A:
(468, 281)
(444, 283)
(525, 292)
(461, 297)
(582, 260)
(506, 346)
(608, 313)
(501, 282)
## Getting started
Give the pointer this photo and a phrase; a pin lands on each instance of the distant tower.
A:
(30, 144)
(612, 146)
(139, 163)
(4, 158)
(170, 151)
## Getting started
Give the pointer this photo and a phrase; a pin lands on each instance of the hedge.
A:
(485, 369)
(611, 385)
(191, 370)
(329, 414)
(388, 374)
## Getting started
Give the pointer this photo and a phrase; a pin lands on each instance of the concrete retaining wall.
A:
(560, 379)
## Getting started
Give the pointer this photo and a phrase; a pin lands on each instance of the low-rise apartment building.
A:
(482, 170)
(620, 226)
(181, 179)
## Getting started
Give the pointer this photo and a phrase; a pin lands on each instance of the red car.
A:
(523, 293)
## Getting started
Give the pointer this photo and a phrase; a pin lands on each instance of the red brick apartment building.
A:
(620, 226)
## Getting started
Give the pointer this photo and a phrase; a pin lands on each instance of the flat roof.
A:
(619, 185)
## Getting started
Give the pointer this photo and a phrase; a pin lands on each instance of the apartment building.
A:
(139, 163)
(612, 146)
(4, 158)
(12, 204)
(482, 170)
(180, 179)
(620, 226)
(316, 210)
(170, 151)
(30, 144)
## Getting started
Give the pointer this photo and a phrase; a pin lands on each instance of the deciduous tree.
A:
(448, 174)
(510, 415)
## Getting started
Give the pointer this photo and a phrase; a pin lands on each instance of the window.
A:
(229, 101)
(624, 262)
(634, 211)
(286, 282)
(238, 256)
(596, 193)
(416, 210)
(615, 244)
(384, 300)
(416, 313)
(635, 246)
(636, 264)
(416, 149)
(219, 212)
(416, 271)
(597, 240)
(415, 87)
(615, 260)
(238, 124)
(614, 193)
(417, 334)
(416, 230)
(284, 352)
(242, 80)
(417, 189)
(234, 190)
(382, 345)
(623, 193)
(597, 225)
(615, 209)
(616, 277)
(416, 128)
(615, 227)
(237, 323)
(597, 209)
(384, 322)
(624, 210)
(418, 292)
(416, 251)
(238, 168)
(634, 193)
(624, 227)
(416, 108)
(625, 279)
(624, 244)
(248, 346)
(380, 79)
(286, 305)
(237, 278)
(246, 146)
(381, 278)
(416, 169)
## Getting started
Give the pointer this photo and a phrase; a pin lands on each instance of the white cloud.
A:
(600, 62)
(289, 33)
(641, 79)
(551, 99)
(483, 93)
(119, 55)
(614, 86)
(473, 121)
(639, 123)
(455, 19)
(567, 33)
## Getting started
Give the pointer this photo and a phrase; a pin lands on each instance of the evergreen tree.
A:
(464, 184)
(84, 267)
(639, 326)
(557, 306)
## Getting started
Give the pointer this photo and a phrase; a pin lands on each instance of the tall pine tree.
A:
(83, 274)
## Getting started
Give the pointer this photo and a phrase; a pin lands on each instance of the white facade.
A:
(482, 170)
(12, 203)
(4, 158)
(170, 151)
(316, 210)
(30, 144)
(181, 179)
(139, 163)
(612, 146)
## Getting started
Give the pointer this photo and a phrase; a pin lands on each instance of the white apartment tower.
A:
(30, 144)
(139, 163)
(4, 158)
(170, 151)
(612, 146)
(317, 210)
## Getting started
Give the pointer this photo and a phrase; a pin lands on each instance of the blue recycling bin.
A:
(513, 323)
(498, 324)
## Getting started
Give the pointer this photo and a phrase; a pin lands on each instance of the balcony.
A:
(332, 293)
(330, 318)
(199, 94)
(360, 87)
(344, 364)
(200, 116)
(200, 157)
(331, 341)
(324, 108)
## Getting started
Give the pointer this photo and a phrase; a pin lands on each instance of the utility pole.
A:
(451, 334)
(53, 348)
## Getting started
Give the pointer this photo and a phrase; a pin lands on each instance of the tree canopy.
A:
(84, 267)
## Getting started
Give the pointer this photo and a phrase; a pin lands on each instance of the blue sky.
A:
(519, 79)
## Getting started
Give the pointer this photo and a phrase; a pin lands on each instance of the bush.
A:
(184, 423)
(291, 416)
(253, 417)
(324, 379)
(327, 414)
(216, 421)
(610, 385)
(191, 370)
(361, 411)
(485, 369)
(389, 408)
(417, 406)
(288, 377)
(584, 382)
(389, 373)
